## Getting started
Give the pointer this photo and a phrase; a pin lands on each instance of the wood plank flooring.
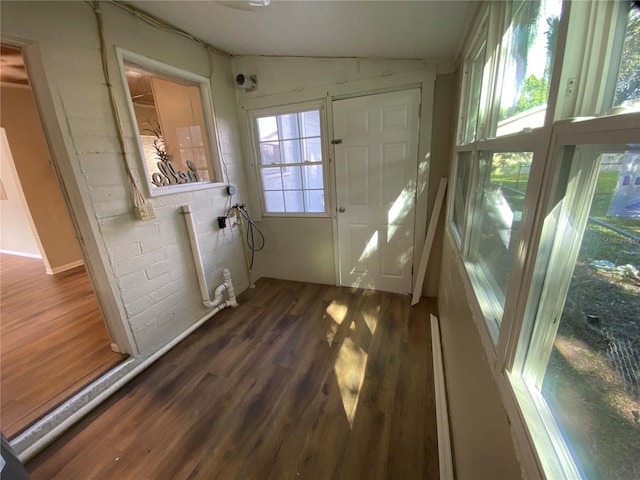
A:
(300, 381)
(52, 339)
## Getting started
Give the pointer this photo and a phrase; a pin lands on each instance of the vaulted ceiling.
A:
(428, 30)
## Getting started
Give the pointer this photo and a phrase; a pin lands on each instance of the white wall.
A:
(53, 229)
(303, 249)
(144, 272)
(16, 232)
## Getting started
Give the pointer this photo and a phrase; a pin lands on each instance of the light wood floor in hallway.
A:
(52, 339)
(300, 381)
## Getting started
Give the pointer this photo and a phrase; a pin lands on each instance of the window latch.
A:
(336, 141)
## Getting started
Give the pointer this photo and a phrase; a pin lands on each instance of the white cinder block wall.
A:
(143, 271)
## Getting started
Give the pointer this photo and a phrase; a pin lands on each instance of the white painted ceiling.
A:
(428, 30)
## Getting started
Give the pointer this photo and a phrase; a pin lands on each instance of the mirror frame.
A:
(155, 67)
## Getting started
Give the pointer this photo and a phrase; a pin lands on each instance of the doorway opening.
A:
(53, 339)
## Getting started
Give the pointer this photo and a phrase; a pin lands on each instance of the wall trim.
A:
(65, 267)
(21, 254)
(442, 411)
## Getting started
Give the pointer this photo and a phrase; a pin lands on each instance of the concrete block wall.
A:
(147, 267)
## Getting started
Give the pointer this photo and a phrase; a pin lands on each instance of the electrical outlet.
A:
(145, 211)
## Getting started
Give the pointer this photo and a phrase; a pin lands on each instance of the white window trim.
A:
(542, 450)
(552, 451)
(209, 118)
(252, 116)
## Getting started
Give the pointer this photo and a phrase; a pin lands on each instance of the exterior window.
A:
(174, 119)
(474, 75)
(463, 173)
(628, 84)
(552, 258)
(496, 210)
(291, 161)
(584, 356)
(527, 60)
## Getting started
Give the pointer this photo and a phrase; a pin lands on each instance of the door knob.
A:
(341, 209)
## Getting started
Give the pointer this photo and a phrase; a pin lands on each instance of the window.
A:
(628, 84)
(583, 358)
(527, 58)
(173, 115)
(496, 211)
(289, 150)
(463, 173)
(474, 70)
(545, 217)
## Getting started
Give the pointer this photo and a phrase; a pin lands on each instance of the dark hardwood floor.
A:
(300, 381)
(52, 339)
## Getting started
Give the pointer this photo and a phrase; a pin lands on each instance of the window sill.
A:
(540, 434)
(483, 288)
(296, 215)
(186, 187)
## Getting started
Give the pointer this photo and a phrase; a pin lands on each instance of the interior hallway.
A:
(52, 339)
(300, 381)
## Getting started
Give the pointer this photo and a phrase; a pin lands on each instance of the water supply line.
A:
(227, 285)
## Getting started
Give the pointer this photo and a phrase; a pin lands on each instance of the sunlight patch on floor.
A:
(337, 314)
(349, 368)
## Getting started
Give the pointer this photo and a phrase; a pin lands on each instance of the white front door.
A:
(376, 159)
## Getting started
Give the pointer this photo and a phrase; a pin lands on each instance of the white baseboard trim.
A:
(442, 411)
(64, 268)
(21, 254)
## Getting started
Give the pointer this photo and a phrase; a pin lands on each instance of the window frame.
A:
(292, 108)
(208, 110)
(552, 452)
(543, 451)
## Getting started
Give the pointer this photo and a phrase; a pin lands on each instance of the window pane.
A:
(271, 179)
(312, 176)
(495, 222)
(288, 126)
(312, 150)
(463, 171)
(291, 151)
(274, 202)
(170, 116)
(267, 128)
(531, 39)
(293, 201)
(270, 153)
(314, 200)
(477, 70)
(628, 86)
(310, 122)
(292, 142)
(591, 378)
(291, 178)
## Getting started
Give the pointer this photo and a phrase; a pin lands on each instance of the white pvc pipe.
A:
(202, 279)
(197, 258)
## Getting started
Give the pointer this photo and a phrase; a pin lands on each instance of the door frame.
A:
(426, 84)
(66, 172)
(334, 186)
